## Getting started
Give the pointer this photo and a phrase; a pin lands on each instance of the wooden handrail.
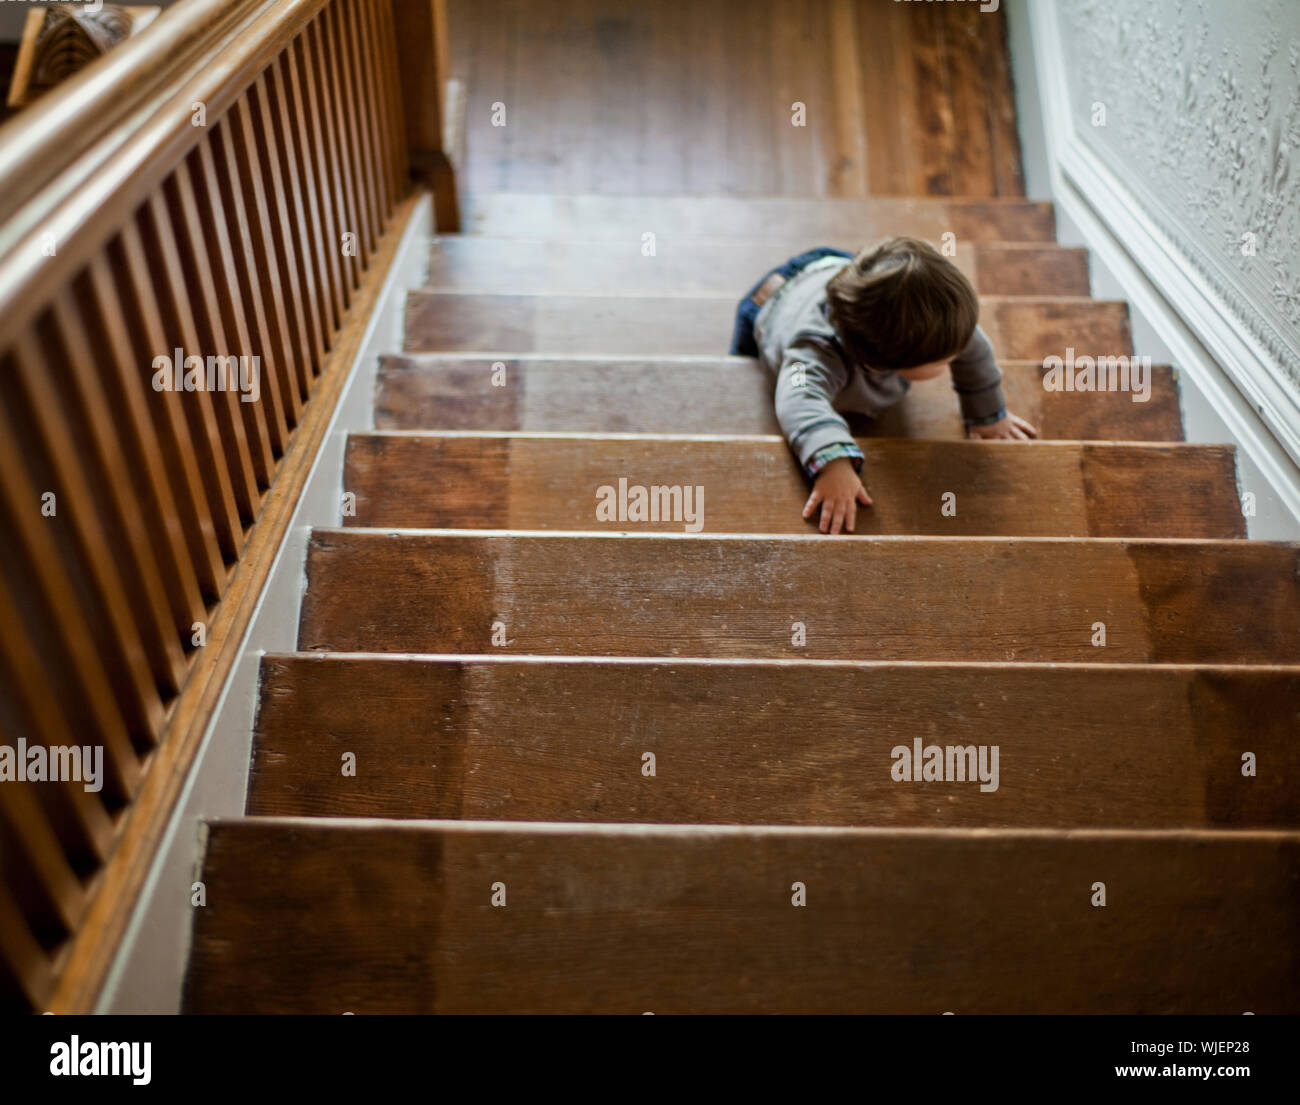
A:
(142, 516)
(78, 160)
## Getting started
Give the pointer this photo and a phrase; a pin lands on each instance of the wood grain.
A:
(755, 485)
(617, 98)
(1091, 746)
(370, 917)
(905, 598)
(710, 218)
(1020, 327)
(526, 266)
(722, 395)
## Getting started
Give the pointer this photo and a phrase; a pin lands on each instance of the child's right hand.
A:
(838, 491)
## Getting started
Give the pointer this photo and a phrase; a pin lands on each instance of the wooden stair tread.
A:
(722, 395)
(750, 218)
(462, 263)
(901, 598)
(1020, 327)
(772, 742)
(374, 916)
(755, 485)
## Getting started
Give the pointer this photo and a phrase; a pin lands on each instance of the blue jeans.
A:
(742, 341)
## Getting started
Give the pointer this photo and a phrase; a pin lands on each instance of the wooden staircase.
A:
(632, 766)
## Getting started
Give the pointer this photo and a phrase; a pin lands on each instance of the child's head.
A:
(902, 307)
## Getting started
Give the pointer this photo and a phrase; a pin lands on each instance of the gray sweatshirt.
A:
(793, 330)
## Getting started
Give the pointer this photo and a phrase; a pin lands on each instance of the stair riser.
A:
(857, 597)
(1026, 490)
(789, 744)
(446, 322)
(725, 395)
(502, 265)
(751, 219)
(371, 919)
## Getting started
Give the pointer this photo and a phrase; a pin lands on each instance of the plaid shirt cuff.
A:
(823, 457)
(987, 420)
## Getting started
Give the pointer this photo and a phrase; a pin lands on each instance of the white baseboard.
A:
(1227, 393)
(148, 970)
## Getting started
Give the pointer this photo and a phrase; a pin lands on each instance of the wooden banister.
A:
(422, 43)
(228, 184)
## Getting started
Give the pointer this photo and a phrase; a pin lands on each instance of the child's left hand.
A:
(1012, 426)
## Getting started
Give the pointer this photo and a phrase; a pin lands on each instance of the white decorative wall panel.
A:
(1201, 109)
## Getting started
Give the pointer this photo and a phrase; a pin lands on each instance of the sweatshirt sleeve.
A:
(978, 381)
(810, 376)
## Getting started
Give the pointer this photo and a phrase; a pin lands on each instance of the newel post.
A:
(425, 70)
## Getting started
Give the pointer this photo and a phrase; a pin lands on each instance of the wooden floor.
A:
(675, 97)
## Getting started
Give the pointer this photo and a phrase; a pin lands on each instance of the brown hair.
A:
(901, 304)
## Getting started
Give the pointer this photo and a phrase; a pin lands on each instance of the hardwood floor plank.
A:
(1093, 746)
(1020, 327)
(718, 217)
(967, 78)
(362, 917)
(755, 485)
(669, 99)
(888, 99)
(847, 163)
(1001, 107)
(505, 265)
(724, 395)
(931, 122)
(996, 599)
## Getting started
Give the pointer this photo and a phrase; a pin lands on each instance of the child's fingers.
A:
(851, 516)
(837, 524)
(863, 497)
(827, 511)
(811, 504)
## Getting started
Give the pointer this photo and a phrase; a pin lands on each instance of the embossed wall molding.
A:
(1188, 115)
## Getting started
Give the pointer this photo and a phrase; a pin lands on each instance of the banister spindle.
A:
(219, 187)
(127, 374)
